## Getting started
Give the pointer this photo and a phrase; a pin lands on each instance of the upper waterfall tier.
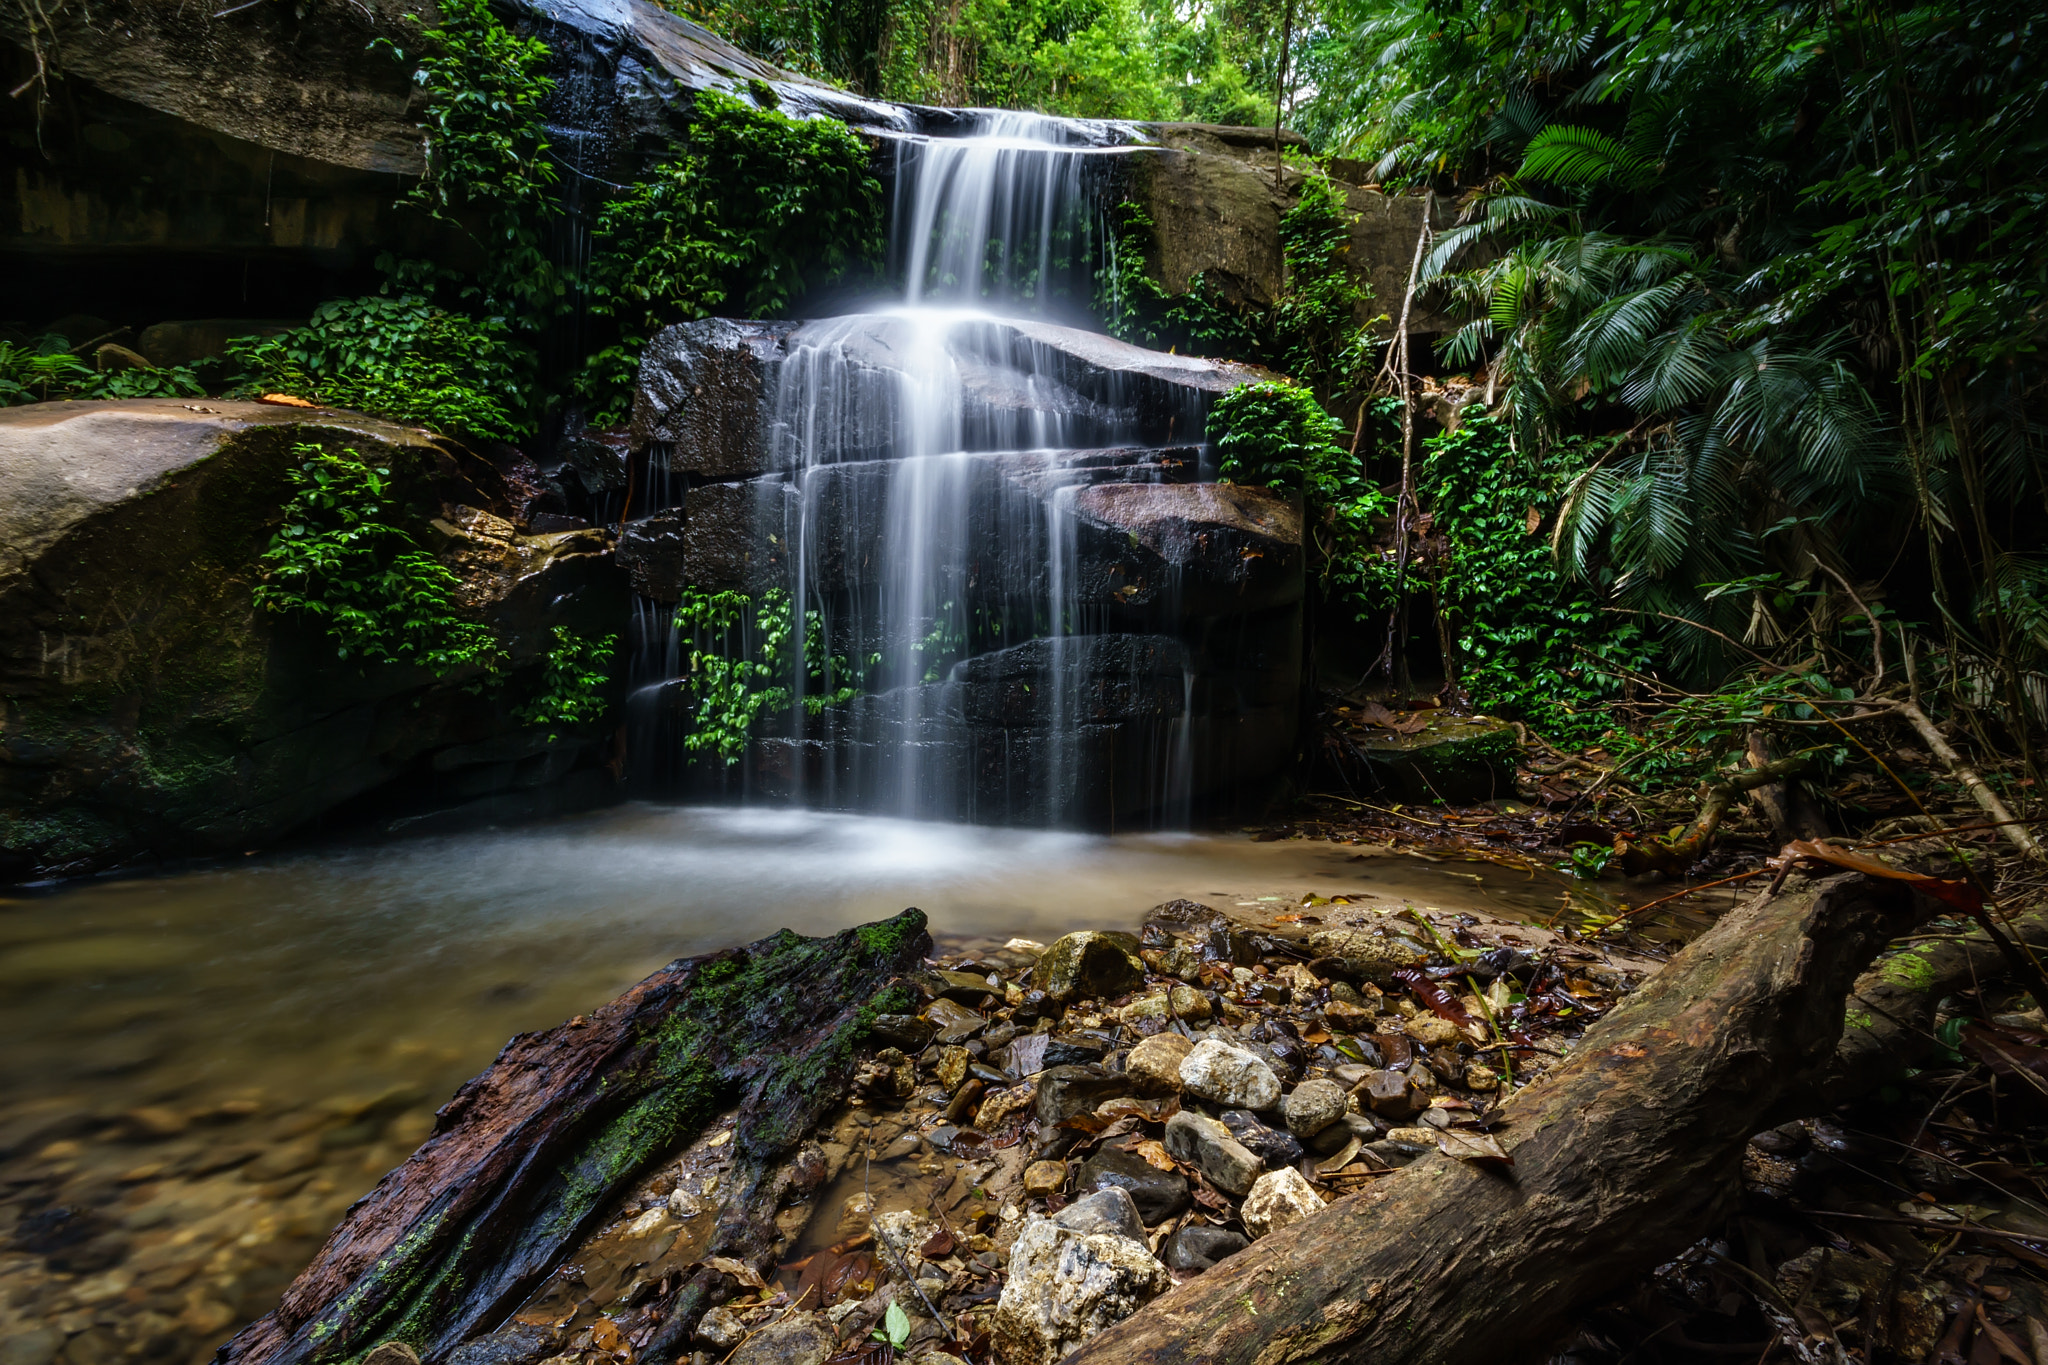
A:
(1006, 213)
(737, 399)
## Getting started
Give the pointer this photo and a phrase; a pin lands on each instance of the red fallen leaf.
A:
(938, 1244)
(1440, 1002)
(1961, 895)
(2007, 1051)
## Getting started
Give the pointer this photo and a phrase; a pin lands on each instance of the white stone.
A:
(1278, 1199)
(1230, 1076)
(1065, 1286)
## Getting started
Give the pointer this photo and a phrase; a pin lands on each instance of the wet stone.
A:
(1431, 1031)
(1229, 1076)
(1270, 1145)
(1044, 1177)
(1198, 1246)
(1373, 956)
(1209, 1147)
(952, 1067)
(798, 1339)
(1313, 1106)
(1065, 1286)
(1158, 1194)
(1393, 1095)
(1154, 1065)
(1064, 1091)
(966, 987)
(1110, 1210)
(1280, 1199)
(955, 1022)
(1089, 964)
(906, 1031)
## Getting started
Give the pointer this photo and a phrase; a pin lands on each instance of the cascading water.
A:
(986, 521)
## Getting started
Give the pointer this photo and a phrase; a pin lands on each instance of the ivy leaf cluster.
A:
(341, 559)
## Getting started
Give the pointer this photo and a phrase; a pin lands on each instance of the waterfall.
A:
(988, 523)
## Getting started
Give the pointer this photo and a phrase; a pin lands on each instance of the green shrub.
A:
(1276, 435)
(397, 357)
(739, 668)
(47, 369)
(748, 211)
(340, 559)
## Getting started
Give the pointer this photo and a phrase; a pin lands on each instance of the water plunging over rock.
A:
(999, 524)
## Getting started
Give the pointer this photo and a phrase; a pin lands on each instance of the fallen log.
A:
(530, 1154)
(1627, 1153)
(1890, 1020)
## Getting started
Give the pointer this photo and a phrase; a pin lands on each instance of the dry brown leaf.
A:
(1154, 1152)
(285, 400)
(1467, 1145)
(739, 1270)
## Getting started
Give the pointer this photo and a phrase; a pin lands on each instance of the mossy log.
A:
(530, 1154)
(1627, 1153)
(1890, 1023)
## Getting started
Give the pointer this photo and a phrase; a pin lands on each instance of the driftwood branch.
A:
(1675, 855)
(1625, 1155)
(531, 1154)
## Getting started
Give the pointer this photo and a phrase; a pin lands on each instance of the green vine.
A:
(1276, 435)
(748, 211)
(739, 668)
(340, 559)
(574, 676)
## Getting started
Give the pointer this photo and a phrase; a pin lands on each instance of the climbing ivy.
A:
(574, 676)
(739, 667)
(747, 211)
(340, 559)
(485, 93)
(1526, 638)
(1276, 435)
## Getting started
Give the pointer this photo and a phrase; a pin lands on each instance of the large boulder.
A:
(1187, 549)
(1066, 1285)
(152, 707)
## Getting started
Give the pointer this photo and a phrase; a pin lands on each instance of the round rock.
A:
(1158, 1194)
(1044, 1177)
(1154, 1065)
(1313, 1106)
(1229, 1076)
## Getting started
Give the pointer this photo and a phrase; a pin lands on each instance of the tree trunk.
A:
(1890, 1024)
(1623, 1156)
(532, 1153)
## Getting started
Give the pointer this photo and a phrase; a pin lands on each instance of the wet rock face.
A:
(704, 391)
(155, 708)
(1197, 549)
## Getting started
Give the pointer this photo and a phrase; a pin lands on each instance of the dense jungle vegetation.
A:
(1738, 427)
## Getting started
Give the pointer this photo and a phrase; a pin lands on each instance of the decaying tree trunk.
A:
(1622, 1157)
(1890, 1023)
(528, 1155)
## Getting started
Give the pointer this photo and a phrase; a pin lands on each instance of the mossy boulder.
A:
(149, 707)
(1451, 758)
(1089, 964)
